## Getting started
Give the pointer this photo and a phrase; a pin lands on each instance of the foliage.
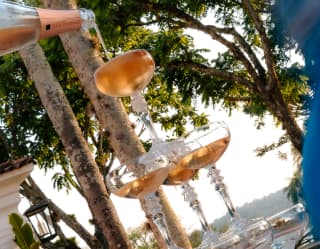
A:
(23, 233)
(142, 238)
(195, 238)
(294, 189)
(159, 26)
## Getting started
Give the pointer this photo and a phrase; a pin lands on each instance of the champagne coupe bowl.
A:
(151, 170)
(126, 74)
(128, 185)
(202, 147)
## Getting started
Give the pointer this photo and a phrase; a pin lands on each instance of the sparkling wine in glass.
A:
(127, 75)
(151, 170)
(201, 147)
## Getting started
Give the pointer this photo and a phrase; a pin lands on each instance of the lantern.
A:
(40, 217)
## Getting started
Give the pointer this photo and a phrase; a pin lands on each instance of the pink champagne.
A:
(125, 74)
(187, 166)
(141, 186)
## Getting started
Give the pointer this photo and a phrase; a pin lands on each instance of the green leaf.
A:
(28, 234)
(3, 91)
(23, 233)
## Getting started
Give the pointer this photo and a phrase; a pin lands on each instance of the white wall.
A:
(9, 201)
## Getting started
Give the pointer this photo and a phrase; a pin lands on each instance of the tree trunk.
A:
(84, 166)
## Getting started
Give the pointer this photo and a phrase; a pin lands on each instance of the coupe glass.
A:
(289, 226)
(151, 170)
(127, 75)
(201, 148)
(257, 235)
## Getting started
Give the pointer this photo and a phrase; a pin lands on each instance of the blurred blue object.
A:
(300, 19)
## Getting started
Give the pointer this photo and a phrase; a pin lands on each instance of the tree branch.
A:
(237, 99)
(214, 32)
(268, 91)
(214, 72)
(265, 44)
(73, 183)
(248, 50)
(32, 191)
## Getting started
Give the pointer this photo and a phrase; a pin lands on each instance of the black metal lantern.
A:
(40, 217)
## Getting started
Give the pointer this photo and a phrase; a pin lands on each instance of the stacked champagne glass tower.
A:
(176, 162)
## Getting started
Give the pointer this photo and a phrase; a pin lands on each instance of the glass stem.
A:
(154, 209)
(192, 198)
(140, 106)
(217, 179)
